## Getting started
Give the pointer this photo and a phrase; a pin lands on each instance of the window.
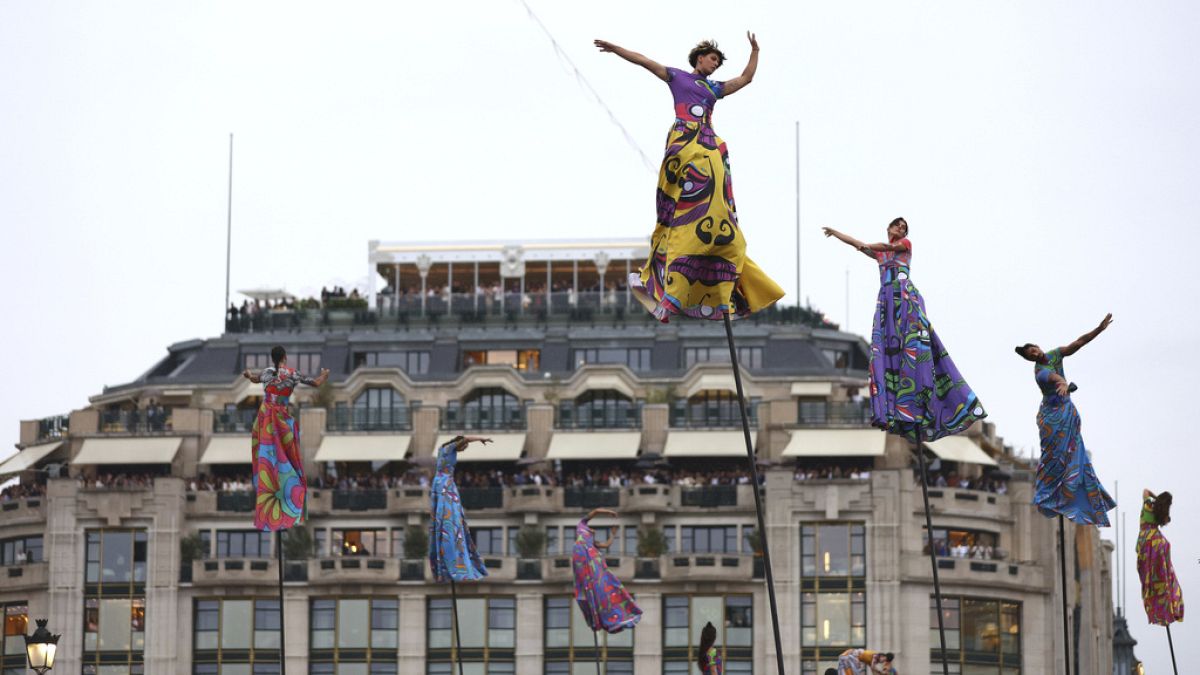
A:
(411, 362)
(839, 357)
(353, 635)
(569, 642)
(748, 357)
(553, 543)
(243, 544)
(232, 632)
(21, 550)
(487, 630)
(116, 557)
(833, 605)
(114, 603)
(487, 408)
(16, 627)
(683, 618)
(982, 636)
(718, 539)
(962, 543)
(819, 412)
(524, 360)
(833, 550)
(489, 540)
(712, 408)
(376, 408)
(308, 363)
(361, 542)
(836, 619)
(600, 409)
(636, 358)
(257, 361)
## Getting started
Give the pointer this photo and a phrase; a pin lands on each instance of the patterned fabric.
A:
(863, 662)
(1066, 482)
(916, 390)
(1160, 589)
(275, 454)
(711, 664)
(605, 603)
(698, 265)
(452, 554)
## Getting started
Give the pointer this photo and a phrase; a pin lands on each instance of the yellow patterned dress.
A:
(698, 265)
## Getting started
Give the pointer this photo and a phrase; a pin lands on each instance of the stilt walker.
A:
(698, 265)
(1066, 485)
(916, 390)
(452, 554)
(1161, 594)
(603, 601)
(707, 654)
(278, 466)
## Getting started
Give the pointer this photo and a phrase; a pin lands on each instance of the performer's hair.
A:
(890, 657)
(831, 671)
(899, 221)
(708, 636)
(705, 48)
(1162, 508)
(1021, 350)
(277, 354)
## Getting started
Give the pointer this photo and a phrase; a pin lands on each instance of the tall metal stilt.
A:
(1171, 644)
(282, 632)
(457, 633)
(937, 584)
(1062, 565)
(596, 641)
(758, 506)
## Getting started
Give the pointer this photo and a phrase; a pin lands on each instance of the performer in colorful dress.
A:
(1160, 589)
(698, 265)
(916, 390)
(605, 603)
(709, 655)
(1066, 482)
(275, 446)
(452, 554)
(864, 662)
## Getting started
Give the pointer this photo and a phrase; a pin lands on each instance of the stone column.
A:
(64, 549)
(412, 632)
(530, 633)
(647, 638)
(163, 608)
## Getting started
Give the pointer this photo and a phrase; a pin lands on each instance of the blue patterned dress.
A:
(605, 603)
(1066, 482)
(452, 554)
(916, 390)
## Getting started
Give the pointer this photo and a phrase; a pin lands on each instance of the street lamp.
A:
(40, 648)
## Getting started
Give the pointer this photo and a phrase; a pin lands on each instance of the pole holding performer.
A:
(1161, 594)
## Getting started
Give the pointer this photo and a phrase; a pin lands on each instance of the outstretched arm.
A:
(850, 241)
(318, 380)
(1086, 337)
(461, 442)
(659, 70)
(747, 75)
(251, 376)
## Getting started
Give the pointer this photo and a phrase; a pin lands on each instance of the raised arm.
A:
(747, 75)
(461, 442)
(251, 376)
(1086, 337)
(850, 241)
(318, 380)
(659, 70)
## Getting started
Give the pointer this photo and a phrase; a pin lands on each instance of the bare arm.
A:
(747, 76)
(251, 376)
(1060, 384)
(592, 514)
(1146, 494)
(1086, 337)
(850, 241)
(461, 443)
(319, 379)
(659, 70)
(880, 246)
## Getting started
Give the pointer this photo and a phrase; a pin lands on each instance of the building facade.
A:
(132, 528)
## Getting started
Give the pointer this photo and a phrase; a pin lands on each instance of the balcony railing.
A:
(461, 418)
(52, 428)
(725, 415)
(825, 413)
(236, 502)
(343, 418)
(359, 500)
(234, 421)
(482, 498)
(586, 417)
(709, 496)
(135, 421)
(591, 497)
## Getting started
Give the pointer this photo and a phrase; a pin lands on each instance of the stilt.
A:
(758, 507)
(457, 635)
(596, 641)
(1171, 644)
(1062, 566)
(282, 632)
(937, 584)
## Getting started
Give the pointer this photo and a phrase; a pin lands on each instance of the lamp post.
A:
(40, 648)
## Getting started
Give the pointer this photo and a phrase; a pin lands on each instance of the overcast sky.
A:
(1044, 154)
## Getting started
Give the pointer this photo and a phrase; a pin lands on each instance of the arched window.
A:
(379, 408)
(712, 408)
(485, 408)
(599, 409)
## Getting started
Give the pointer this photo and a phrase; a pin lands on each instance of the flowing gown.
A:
(861, 662)
(1066, 482)
(275, 453)
(452, 554)
(714, 661)
(698, 265)
(605, 603)
(1160, 588)
(916, 390)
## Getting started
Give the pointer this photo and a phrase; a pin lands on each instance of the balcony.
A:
(241, 501)
(647, 498)
(591, 497)
(532, 499)
(234, 421)
(27, 576)
(969, 503)
(344, 418)
(709, 496)
(53, 428)
(1017, 576)
(709, 567)
(150, 421)
(353, 569)
(20, 511)
(834, 414)
(235, 572)
(360, 500)
(475, 499)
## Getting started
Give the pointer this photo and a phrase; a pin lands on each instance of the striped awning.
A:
(594, 445)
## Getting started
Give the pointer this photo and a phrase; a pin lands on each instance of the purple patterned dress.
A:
(605, 603)
(916, 391)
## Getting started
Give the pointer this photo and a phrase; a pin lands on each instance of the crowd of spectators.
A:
(831, 472)
(119, 481)
(974, 551)
(954, 480)
(22, 491)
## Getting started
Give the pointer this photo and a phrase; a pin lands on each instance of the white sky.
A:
(1045, 156)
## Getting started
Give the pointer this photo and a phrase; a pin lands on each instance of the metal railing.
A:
(825, 413)
(482, 498)
(234, 421)
(359, 500)
(396, 418)
(241, 501)
(50, 428)
(135, 421)
(591, 497)
(708, 496)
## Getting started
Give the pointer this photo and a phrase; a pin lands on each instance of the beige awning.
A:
(812, 388)
(959, 449)
(363, 448)
(27, 458)
(713, 381)
(835, 443)
(153, 450)
(503, 448)
(614, 382)
(227, 450)
(595, 445)
(707, 444)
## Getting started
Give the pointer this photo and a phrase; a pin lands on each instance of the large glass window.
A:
(684, 617)
(636, 358)
(376, 408)
(114, 602)
(962, 543)
(489, 540)
(411, 362)
(116, 557)
(243, 544)
(833, 603)
(570, 643)
(709, 539)
(353, 635)
(524, 360)
(599, 409)
(487, 408)
(748, 357)
(362, 542)
(983, 637)
(231, 634)
(712, 408)
(833, 550)
(21, 550)
(487, 631)
(12, 647)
